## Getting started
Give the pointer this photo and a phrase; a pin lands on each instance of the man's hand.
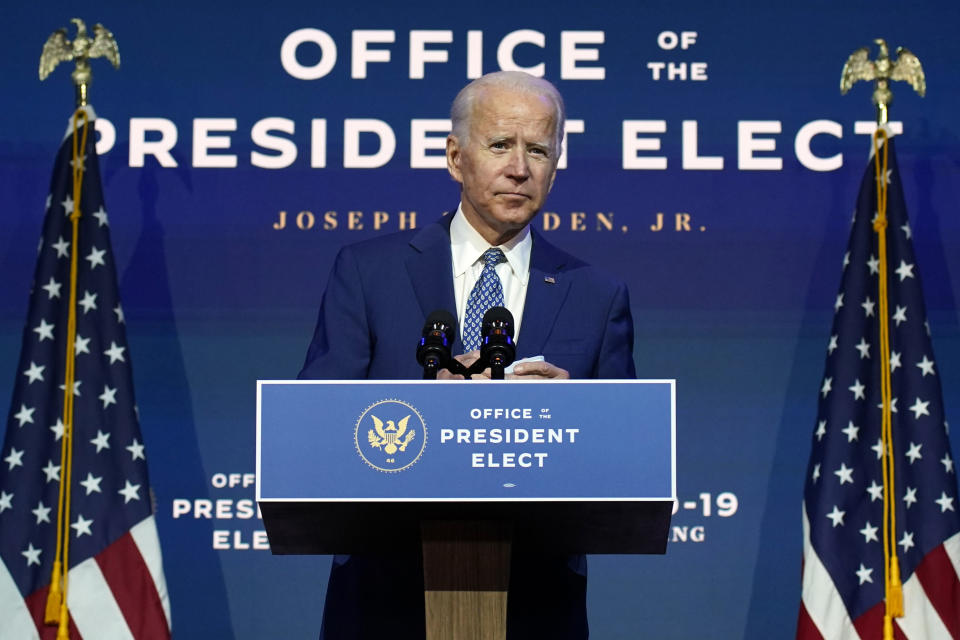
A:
(538, 371)
(523, 371)
(530, 371)
(466, 359)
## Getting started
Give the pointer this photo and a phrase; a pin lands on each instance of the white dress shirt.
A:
(468, 246)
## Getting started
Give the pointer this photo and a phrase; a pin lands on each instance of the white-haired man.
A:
(503, 151)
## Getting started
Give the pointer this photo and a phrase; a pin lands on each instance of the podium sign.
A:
(371, 457)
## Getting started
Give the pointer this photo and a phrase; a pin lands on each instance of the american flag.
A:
(116, 587)
(843, 560)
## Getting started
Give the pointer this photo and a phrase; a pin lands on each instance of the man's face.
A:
(507, 165)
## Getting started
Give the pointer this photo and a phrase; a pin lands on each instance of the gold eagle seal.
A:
(390, 435)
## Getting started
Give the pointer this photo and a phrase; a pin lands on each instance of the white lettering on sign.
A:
(371, 143)
(311, 54)
(507, 460)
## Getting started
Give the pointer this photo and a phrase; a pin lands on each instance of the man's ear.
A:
(454, 155)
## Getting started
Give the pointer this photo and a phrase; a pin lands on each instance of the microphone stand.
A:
(430, 368)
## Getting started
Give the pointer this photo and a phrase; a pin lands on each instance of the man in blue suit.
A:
(503, 150)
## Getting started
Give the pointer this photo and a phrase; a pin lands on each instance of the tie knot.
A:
(492, 257)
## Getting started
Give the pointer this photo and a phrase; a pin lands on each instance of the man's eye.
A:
(498, 145)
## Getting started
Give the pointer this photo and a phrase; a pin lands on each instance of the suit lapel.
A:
(430, 268)
(546, 291)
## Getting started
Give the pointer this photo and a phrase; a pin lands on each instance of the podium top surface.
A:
(464, 441)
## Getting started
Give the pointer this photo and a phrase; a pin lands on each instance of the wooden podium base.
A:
(466, 574)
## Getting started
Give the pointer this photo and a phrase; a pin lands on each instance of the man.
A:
(503, 150)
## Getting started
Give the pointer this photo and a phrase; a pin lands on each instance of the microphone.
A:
(433, 350)
(497, 349)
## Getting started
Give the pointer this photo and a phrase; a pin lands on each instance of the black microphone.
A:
(497, 349)
(433, 350)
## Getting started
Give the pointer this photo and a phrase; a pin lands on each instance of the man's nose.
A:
(518, 167)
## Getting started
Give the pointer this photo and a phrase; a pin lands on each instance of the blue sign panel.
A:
(570, 440)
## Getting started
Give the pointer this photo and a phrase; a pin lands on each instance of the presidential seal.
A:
(390, 435)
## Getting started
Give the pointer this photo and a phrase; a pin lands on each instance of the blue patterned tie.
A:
(487, 293)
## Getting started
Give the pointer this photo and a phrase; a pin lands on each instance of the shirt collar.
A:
(468, 246)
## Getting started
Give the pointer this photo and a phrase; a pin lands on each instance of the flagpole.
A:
(56, 49)
(63, 517)
(906, 67)
(893, 589)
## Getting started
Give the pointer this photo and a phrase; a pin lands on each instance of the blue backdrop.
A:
(223, 259)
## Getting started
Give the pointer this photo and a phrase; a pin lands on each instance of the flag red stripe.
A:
(133, 588)
(37, 604)
(806, 630)
(942, 587)
(898, 633)
(870, 624)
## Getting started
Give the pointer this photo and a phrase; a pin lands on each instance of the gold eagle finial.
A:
(59, 49)
(906, 67)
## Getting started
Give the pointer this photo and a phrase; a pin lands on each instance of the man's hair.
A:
(461, 112)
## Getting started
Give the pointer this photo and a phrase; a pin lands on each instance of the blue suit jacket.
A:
(382, 290)
(376, 302)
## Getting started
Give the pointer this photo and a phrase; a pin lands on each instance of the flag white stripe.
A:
(148, 542)
(920, 620)
(952, 547)
(91, 604)
(15, 620)
(820, 596)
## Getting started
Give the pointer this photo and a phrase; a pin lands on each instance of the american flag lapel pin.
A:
(549, 279)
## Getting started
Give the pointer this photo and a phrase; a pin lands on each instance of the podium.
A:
(472, 472)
